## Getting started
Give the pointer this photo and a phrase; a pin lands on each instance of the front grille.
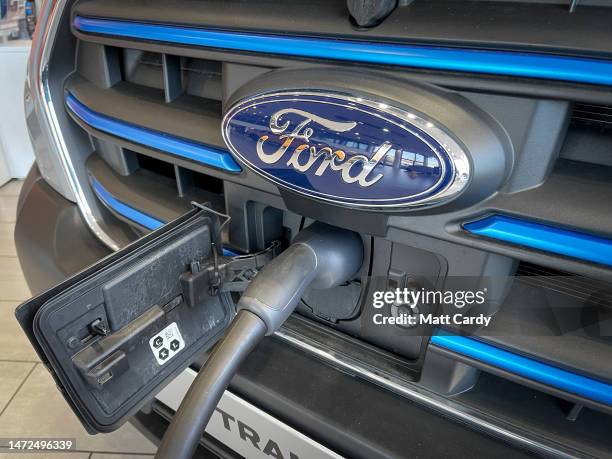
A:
(150, 112)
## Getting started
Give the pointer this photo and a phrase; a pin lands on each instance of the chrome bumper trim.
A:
(445, 406)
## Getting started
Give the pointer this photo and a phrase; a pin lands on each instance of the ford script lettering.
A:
(346, 150)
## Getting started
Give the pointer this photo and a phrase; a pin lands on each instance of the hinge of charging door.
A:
(225, 274)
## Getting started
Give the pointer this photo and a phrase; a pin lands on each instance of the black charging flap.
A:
(116, 333)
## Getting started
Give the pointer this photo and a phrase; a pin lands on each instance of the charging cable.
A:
(320, 257)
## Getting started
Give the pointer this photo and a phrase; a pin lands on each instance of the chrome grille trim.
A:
(39, 81)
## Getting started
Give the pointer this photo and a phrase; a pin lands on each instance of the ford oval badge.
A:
(346, 150)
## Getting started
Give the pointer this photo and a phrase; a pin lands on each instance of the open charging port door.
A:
(115, 334)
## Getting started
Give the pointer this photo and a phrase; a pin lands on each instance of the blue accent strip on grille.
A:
(135, 215)
(531, 369)
(520, 64)
(159, 140)
(544, 237)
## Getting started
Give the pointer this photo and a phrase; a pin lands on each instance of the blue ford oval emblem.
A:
(346, 150)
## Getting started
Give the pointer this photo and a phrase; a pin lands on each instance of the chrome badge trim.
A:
(451, 161)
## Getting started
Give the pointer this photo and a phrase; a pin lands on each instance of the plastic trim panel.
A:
(548, 238)
(160, 141)
(135, 215)
(526, 367)
(530, 65)
(123, 209)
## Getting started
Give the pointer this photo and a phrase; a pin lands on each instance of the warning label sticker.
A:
(167, 343)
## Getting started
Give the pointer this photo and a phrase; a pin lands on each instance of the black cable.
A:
(321, 256)
(183, 435)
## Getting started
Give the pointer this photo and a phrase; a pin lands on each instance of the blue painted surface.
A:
(135, 215)
(531, 65)
(123, 209)
(544, 237)
(531, 369)
(230, 253)
(353, 134)
(158, 140)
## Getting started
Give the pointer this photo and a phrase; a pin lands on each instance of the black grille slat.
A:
(583, 289)
(189, 117)
(592, 115)
(154, 187)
